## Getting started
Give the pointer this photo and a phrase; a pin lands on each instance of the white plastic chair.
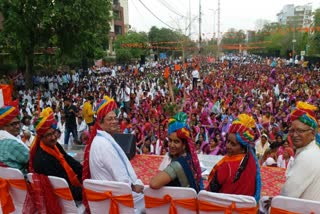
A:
(176, 194)
(226, 201)
(68, 206)
(18, 195)
(295, 205)
(103, 186)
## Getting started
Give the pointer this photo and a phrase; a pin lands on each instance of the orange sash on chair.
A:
(63, 193)
(275, 210)
(187, 203)
(126, 200)
(7, 205)
(18, 183)
(210, 207)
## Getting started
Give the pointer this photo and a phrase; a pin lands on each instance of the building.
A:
(299, 16)
(119, 24)
(287, 11)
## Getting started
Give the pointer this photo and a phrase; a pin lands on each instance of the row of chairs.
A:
(116, 197)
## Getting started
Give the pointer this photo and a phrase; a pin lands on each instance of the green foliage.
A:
(314, 44)
(233, 37)
(163, 39)
(170, 109)
(123, 55)
(79, 29)
(126, 54)
(280, 38)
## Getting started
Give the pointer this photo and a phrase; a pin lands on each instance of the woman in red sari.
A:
(238, 172)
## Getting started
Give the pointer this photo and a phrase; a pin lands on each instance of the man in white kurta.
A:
(109, 162)
(302, 178)
(304, 175)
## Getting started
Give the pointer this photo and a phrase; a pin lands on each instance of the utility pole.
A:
(218, 36)
(200, 27)
(189, 18)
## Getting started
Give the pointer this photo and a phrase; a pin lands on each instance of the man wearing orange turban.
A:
(47, 157)
(104, 159)
(304, 175)
(13, 152)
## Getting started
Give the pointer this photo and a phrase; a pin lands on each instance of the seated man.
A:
(302, 178)
(104, 159)
(13, 152)
(47, 157)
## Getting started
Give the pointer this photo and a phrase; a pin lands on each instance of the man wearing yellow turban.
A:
(13, 152)
(47, 157)
(304, 175)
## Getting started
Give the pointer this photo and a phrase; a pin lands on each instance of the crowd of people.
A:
(248, 112)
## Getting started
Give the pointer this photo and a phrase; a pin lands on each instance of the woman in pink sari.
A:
(212, 148)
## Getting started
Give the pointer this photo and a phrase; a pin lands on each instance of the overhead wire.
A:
(134, 4)
(156, 16)
(168, 6)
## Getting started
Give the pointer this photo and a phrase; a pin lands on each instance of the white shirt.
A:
(195, 74)
(260, 150)
(304, 175)
(109, 162)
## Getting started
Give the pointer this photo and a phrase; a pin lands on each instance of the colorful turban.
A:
(242, 127)
(45, 121)
(179, 125)
(7, 113)
(304, 112)
(105, 106)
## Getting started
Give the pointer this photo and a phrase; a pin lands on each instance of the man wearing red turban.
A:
(104, 159)
(13, 152)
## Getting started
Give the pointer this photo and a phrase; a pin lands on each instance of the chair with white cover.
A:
(282, 204)
(14, 180)
(64, 195)
(108, 196)
(167, 199)
(220, 203)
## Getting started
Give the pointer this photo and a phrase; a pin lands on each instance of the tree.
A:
(232, 39)
(76, 28)
(167, 40)
(124, 53)
(314, 43)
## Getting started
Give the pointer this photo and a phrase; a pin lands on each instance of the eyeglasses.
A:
(49, 134)
(298, 131)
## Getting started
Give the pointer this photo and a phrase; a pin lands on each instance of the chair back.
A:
(109, 196)
(294, 205)
(166, 199)
(17, 187)
(219, 203)
(62, 190)
(63, 193)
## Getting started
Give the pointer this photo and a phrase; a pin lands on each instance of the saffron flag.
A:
(5, 94)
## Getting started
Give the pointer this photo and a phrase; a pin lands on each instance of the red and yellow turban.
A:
(7, 113)
(242, 126)
(304, 112)
(105, 106)
(45, 121)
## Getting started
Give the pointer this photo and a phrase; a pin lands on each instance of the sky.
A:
(234, 14)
